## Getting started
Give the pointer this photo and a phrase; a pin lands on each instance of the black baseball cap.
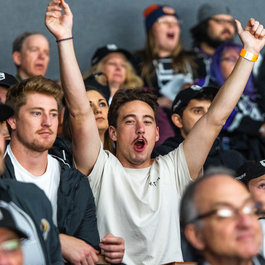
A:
(106, 50)
(250, 170)
(5, 112)
(7, 80)
(7, 221)
(92, 84)
(186, 95)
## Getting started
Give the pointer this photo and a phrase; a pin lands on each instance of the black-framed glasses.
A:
(228, 211)
(223, 21)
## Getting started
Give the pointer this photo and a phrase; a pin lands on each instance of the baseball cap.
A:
(7, 80)
(106, 50)
(153, 12)
(208, 10)
(92, 84)
(250, 170)
(5, 112)
(186, 95)
(7, 221)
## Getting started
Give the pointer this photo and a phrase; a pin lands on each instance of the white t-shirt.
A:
(141, 205)
(48, 182)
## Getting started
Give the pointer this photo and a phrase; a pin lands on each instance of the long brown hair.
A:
(150, 53)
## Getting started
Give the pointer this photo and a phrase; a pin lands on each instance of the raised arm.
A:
(85, 137)
(199, 141)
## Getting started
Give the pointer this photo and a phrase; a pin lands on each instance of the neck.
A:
(23, 75)
(207, 49)
(33, 161)
(114, 87)
(102, 136)
(164, 53)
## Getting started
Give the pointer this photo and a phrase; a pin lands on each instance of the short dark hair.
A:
(123, 96)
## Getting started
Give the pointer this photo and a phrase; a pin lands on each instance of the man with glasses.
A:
(219, 218)
(10, 240)
(215, 26)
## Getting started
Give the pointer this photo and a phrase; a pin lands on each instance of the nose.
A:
(46, 120)
(140, 127)
(246, 220)
(96, 109)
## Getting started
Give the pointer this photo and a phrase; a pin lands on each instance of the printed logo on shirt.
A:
(45, 228)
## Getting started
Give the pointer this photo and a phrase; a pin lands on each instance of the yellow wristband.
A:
(249, 56)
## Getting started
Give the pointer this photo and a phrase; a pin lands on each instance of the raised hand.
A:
(252, 36)
(59, 24)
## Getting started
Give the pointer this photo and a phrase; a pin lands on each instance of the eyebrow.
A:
(134, 116)
(39, 108)
(228, 203)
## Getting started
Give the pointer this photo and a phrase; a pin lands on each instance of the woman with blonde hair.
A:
(115, 64)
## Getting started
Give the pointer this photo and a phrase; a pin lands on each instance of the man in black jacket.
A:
(33, 127)
(188, 107)
(31, 211)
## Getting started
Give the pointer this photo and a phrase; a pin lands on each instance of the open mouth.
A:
(170, 36)
(139, 145)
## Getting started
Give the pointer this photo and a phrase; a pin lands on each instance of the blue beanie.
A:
(153, 12)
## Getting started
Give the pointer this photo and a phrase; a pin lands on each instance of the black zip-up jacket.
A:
(32, 201)
(76, 211)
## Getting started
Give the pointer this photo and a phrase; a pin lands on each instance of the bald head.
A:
(229, 237)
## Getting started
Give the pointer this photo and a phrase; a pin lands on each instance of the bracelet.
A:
(70, 38)
(249, 56)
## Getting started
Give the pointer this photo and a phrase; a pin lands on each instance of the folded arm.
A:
(199, 141)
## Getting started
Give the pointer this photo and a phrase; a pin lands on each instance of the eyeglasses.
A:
(10, 246)
(168, 22)
(231, 59)
(223, 21)
(228, 211)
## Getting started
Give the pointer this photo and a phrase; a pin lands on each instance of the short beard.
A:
(215, 43)
(35, 146)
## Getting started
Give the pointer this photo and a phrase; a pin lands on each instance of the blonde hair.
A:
(132, 80)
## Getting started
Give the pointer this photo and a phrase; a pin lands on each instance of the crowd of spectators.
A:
(151, 157)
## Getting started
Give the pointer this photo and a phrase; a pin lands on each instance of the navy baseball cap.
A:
(186, 95)
(102, 52)
(250, 170)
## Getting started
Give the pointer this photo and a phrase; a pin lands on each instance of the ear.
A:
(12, 123)
(157, 133)
(194, 235)
(177, 120)
(113, 133)
(17, 58)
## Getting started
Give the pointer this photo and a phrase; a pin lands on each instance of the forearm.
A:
(71, 78)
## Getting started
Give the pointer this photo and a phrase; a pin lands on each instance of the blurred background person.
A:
(163, 64)
(31, 55)
(6, 80)
(117, 66)
(215, 26)
(244, 130)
